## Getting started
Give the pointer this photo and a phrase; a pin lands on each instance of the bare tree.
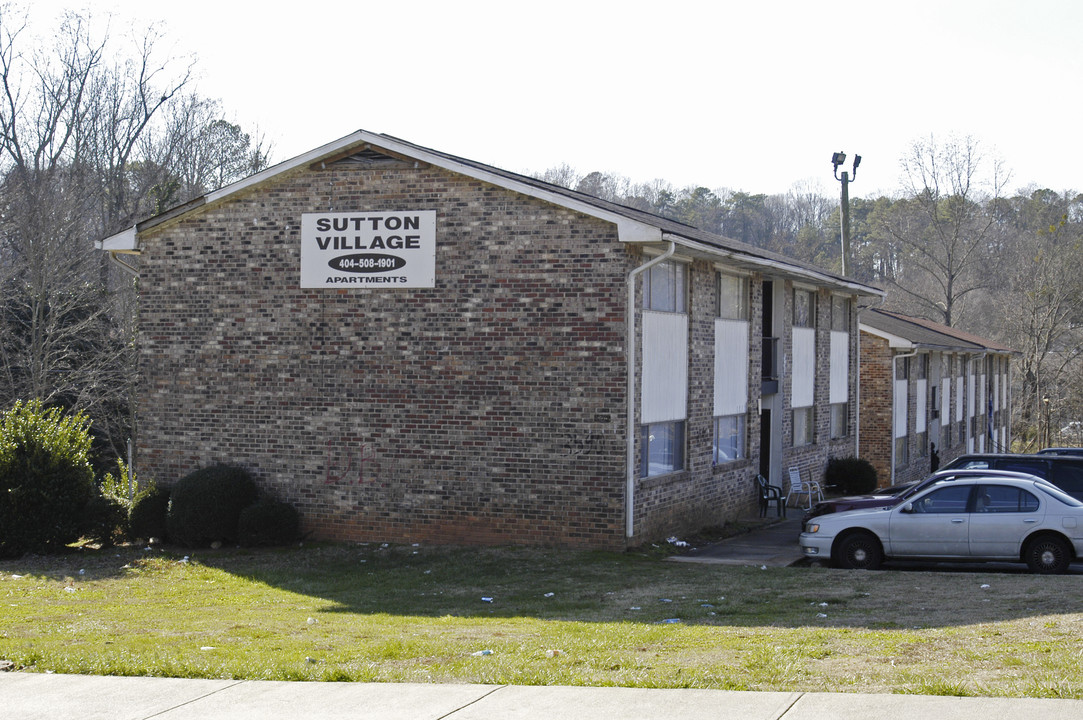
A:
(71, 117)
(944, 230)
(1036, 308)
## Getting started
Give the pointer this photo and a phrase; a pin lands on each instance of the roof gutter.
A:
(630, 395)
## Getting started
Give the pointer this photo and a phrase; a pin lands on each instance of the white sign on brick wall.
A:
(368, 249)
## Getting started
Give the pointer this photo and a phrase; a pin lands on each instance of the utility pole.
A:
(838, 159)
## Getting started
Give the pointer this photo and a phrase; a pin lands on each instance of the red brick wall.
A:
(488, 409)
(877, 390)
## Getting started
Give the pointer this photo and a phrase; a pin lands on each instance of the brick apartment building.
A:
(411, 346)
(923, 385)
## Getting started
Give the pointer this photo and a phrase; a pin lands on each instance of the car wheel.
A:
(1048, 555)
(859, 551)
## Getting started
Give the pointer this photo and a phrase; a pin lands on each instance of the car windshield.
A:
(1055, 492)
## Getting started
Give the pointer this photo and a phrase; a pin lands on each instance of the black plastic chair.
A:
(768, 494)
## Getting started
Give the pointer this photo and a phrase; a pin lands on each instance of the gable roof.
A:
(633, 226)
(903, 331)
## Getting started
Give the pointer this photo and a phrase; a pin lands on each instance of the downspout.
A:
(123, 265)
(894, 372)
(630, 395)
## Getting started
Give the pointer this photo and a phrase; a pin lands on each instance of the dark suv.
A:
(1064, 471)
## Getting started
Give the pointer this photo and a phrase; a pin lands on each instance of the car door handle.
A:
(1030, 521)
(957, 521)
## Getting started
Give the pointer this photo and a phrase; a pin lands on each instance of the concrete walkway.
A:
(31, 696)
(774, 544)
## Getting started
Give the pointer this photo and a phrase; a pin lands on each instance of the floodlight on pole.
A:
(838, 159)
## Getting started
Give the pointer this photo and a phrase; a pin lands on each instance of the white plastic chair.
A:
(799, 487)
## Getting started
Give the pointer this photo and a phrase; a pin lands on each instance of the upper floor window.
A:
(922, 366)
(804, 308)
(732, 297)
(840, 313)
(664, 287)
(902, 368)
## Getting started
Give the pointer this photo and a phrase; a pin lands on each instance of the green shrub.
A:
(147, 518)
(46, 479)
(105, 520)
(850, 475)
(205, 505)
(268, 522)
(107, 515)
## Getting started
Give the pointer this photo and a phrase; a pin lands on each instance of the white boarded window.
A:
(959, 388)
(804, 367)
(665, 367)
(730, 367)
(902, 397)
(840, 368)
(945, 399)
(921, 412)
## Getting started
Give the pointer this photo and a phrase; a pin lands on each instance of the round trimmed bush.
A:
(268, 522)
(205, 505)
(851, 475)
(46, 479)
(147, 517)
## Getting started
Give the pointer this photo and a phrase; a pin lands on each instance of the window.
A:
(1004, 499)
(663, 448)
(902, 452)
(921, 448)
(804, 308)
(840, 313)
(902, 368)
(803, 426)
(732, 297)
(951, 499)
(664, 287)
(840, 420)
(729, 438)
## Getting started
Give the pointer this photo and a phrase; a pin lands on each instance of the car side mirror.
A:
(907, 508)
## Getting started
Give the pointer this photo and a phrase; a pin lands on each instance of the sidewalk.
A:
(31, 696)
(774, 544)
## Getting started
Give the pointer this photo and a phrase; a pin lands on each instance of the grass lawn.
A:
(529, 616)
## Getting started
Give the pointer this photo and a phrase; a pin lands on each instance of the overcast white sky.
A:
(752, 95)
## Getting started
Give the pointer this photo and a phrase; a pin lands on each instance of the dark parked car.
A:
(1064, 471)
(889, 497)
(1061, 451)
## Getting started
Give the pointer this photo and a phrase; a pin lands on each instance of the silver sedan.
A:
(979, 518)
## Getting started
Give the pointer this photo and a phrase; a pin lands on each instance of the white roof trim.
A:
(809, 275)
(628, 230)
(893, 341)
(123, 241)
